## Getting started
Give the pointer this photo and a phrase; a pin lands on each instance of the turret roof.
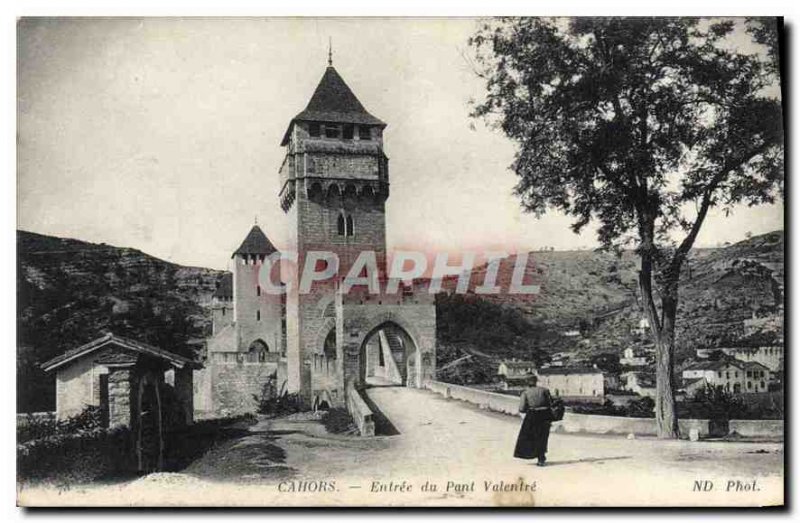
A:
(256, 242)
(333, 101)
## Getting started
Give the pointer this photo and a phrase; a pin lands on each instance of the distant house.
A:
(635, 357)
(573, 382)
(731, 374)
(559, 359)
(642, 383)
(515, 374)
(515, 368)
(574, 333)
(770, 356)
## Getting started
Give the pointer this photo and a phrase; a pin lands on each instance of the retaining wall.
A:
(597, 424)
(360, 411)
(756, 428)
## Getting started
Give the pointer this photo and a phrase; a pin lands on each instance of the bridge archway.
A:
(388, 355)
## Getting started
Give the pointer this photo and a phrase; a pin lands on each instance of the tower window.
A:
(340, 229)
(364, 133)
(347, 131)
(258, 315)
(258, 290)
(313, 130)
(350, 226)
(331, 131)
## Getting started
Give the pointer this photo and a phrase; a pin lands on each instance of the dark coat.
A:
(534, 402)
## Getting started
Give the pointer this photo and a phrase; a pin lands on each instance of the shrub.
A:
(338, 421)
(85, 455)
(272, 404)
(36, 427)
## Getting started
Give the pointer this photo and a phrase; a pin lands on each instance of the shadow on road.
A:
(383, 426)
(586, 460)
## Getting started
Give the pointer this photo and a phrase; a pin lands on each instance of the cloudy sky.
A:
(163, 134)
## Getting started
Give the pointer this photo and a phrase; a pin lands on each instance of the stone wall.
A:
(360, 411)
(121, 388)
(756, 428)
(226, 389)
(589, 423)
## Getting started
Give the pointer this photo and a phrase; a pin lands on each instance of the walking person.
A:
(534, 408)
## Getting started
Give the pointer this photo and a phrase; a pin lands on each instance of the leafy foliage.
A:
(630, 122)
(272, 402)
(35, 427)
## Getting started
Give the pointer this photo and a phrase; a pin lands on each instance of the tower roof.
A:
(256, 242)
(333, 101)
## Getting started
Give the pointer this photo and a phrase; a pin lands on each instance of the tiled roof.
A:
(519, 364)
(256, 242)
(754, 365)
(124, 343)
(569, 370)
(715, 364)
(333, 101)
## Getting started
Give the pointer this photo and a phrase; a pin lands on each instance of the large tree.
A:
(639, 126)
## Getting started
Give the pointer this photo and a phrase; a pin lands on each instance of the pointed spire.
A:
(330, 52)
(256, 242)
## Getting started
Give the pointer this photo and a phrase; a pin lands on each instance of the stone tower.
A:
(243, 351)
(334, 185)
(256, 314)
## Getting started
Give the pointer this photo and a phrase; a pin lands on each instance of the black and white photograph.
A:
(516, 261)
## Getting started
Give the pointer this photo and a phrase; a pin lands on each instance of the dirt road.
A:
(450, 453)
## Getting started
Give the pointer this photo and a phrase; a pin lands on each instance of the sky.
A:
(164, 134)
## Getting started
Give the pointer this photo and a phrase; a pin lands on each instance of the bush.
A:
(715, 404)
(271, 403)
(35, 427)
(82, 456)
(338, 421)
(641, 408)
(90, 418)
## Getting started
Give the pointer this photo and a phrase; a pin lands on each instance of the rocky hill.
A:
(589, 304)
(70, 291)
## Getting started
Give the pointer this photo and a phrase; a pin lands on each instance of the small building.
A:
(731, 374)
(135, 385)
(635, 357)
(515, 374)
(573, 382)
(642, 383)
(770, 356)
(516, 369)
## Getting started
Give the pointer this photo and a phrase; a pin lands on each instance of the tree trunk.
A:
(666, 417)
(663, 332)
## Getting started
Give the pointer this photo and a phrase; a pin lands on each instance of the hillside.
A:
(69, 291)
(588, 303)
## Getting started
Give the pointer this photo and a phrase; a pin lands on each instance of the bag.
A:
(556, 410)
